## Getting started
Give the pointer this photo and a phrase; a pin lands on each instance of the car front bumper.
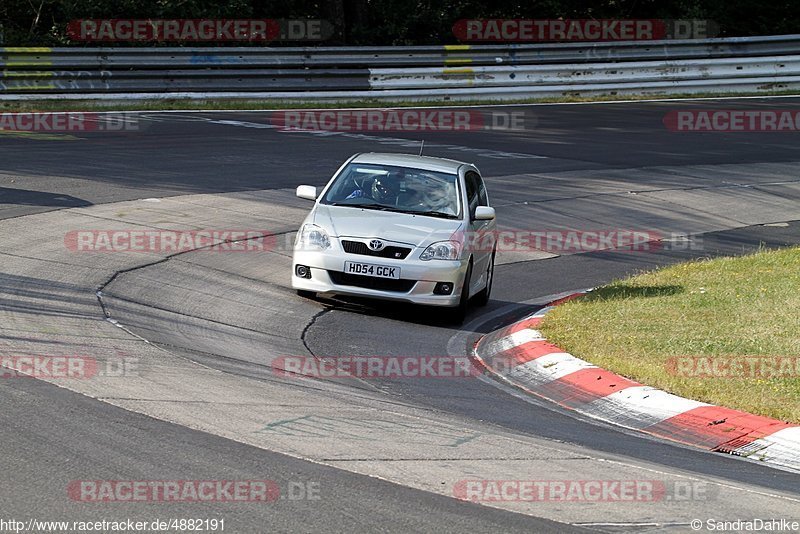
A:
(424, 274)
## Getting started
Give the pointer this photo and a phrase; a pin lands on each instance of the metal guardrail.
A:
(410, 73)
(609, 73)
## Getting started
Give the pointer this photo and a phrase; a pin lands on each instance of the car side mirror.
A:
(308, 192)
(484, 213)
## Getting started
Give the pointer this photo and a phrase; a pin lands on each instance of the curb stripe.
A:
(639, 407)
(549, 368)
(534, 321)
(512, 341)
(715, 426)
(525, 323)
(528, 322)
(580, 387)
(523, 354)
(599, 382)
(524, 357)
(524, 336)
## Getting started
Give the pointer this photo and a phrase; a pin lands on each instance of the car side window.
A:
(471, 180)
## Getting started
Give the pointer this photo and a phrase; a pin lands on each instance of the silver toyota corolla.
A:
(398, 227)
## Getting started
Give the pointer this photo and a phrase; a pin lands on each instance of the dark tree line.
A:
(389, 22)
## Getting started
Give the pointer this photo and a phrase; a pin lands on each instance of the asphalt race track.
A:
(385, 455)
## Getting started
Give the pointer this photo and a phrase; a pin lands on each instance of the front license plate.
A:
(369, 269)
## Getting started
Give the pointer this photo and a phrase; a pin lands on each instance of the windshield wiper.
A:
(381, 207)
(434, 213)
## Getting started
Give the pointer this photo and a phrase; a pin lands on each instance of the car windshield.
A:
(390, 188)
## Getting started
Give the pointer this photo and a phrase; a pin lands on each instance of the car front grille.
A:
(357, 247)
(371, 282)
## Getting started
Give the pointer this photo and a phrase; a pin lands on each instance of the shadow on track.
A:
(9, 195)
(409, 313)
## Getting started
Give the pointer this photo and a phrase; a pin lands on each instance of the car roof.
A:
(411, 161)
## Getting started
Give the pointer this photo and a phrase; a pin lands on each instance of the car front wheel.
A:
(482, 298)
(459, 313)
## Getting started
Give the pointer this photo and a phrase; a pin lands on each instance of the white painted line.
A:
(639, 407)
(379, 139)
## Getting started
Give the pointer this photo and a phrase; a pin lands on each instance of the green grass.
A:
(184, 104)
(726, 308)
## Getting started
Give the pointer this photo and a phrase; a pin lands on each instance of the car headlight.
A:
(312, 237)
(443, 250)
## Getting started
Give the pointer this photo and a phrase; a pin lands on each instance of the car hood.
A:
(416, 230)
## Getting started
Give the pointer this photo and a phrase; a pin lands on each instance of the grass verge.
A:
(11, 106)
(724, 331)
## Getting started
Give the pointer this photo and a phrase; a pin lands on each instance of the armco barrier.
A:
(457, 72)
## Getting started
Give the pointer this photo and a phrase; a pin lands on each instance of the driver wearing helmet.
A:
(386, 188)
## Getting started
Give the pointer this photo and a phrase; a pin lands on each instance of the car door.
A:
(480, 231)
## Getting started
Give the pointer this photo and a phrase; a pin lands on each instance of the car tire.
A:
(482, 298)
(459, 312)
(306, 294)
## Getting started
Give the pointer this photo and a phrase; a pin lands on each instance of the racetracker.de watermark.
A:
(66, 367)
(739, 367)
(187, 491)
(733, 120)
(198, 30)
(542, 30)
(563, 241)
(71, 121)
(576, 241)
(399, 120)
(390, 367)
(581, 490)
(169, 241)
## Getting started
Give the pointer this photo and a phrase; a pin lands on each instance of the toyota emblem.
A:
(376, 245)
